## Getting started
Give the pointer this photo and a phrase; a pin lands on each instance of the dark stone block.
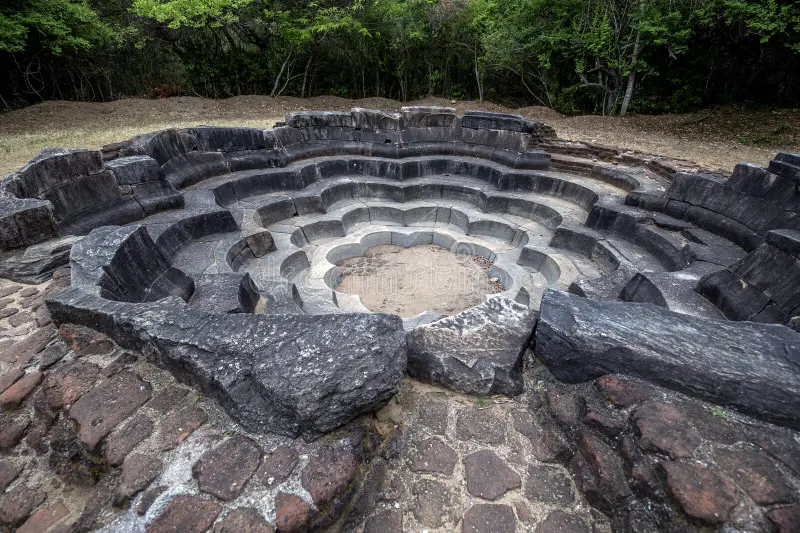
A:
(371, 119)
(736, 298)
(319, 119)
(157, 196)
(117, 212)
(161, 146)
(83, 193)
(224, 293)
(135, 169)
(474, 352)
(235, 357)
(430, 117)
(758, 181)
(25, 221)
(641, 290)
(759, 268)
(787, 240)
(194, 167)
(494, 121)
(253, 159)
(51, 168)
(580, 339)
(723, 226)
(219, 139)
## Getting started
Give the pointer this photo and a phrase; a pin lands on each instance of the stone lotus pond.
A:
(493, 280)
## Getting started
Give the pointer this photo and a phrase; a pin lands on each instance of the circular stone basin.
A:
(410, 281)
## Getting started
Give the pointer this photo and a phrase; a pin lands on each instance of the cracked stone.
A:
(292, 513)
(599, 473)
(187, 514)
(434, 456)
(124, 439)
(549, 485)
(224, 470)
(564, 406)
(603, 419)
(44, 518)
(9, 471)
(624, 392)
(24, 350)
(20, 318)
(11, 429)
(435, 503)
(8, 379)
(702, 493)
(756, 474)
(18, 504)
(561, 522)
(148, 498)
(485, 518)
(100, 410)
(167, 399)
(14, 395)
(785, 518)
(178, 425)
(480, 425)
(243, 520)
(664, 429)
(124, 360)
(278, 466)
(488, 477)
(8, 291)
(52, 355)
(138, 471)
(433, 413)
(64, 385)
(386, 521)
(328, 473)
(547, 442)
(28, 292)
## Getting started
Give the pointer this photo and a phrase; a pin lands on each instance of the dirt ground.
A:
(410, 281)
(717, 138)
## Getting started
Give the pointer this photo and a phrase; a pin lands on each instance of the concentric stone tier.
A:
(191, 226)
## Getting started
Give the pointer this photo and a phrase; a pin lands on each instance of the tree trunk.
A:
(280, 74)
(478, 77)
(308, 67)
(632, 76)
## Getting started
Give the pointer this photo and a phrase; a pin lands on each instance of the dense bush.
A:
(600, 56)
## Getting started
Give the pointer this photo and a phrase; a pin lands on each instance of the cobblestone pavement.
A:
(96, 438)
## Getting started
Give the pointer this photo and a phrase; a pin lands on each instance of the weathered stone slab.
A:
(478, 351)
(297, 375)
(753, 367)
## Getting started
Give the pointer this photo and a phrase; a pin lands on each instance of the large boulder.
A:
(749, 366)
(295, 375)
(478, 351)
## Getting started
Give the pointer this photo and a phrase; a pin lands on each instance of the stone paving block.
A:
(702, 493)
(125, 438)
(434, 457)
(480, 425)
(179, 424)
(292, 513)
(484, 517)
(224, 470)
(100, 410)
(19, 503)
(187, 514)
(243, 520)
(487, 476)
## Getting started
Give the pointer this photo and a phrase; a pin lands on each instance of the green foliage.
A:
(578, 56)
(56, 26)
(190, 13)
